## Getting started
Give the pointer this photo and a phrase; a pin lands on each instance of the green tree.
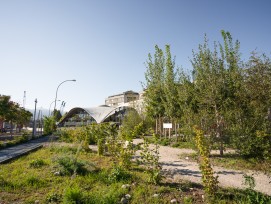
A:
(49, 125)
(170, 101)
(5, 105)
(57, 115)
(130, 121)
(23, 117)
(253, 119)
(216, 86)
(154, 91)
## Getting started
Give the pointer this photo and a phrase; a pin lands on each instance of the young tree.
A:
(170, 101)
(154, 92)
(49, 125)
(216, 86)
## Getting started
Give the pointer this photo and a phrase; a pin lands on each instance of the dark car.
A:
(3, 130)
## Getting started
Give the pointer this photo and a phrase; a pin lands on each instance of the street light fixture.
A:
(51, 105)
(59, 86)
(34, 121)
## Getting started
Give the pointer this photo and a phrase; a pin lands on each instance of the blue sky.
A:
(103, 44)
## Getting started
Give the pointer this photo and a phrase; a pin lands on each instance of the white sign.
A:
(167, 125)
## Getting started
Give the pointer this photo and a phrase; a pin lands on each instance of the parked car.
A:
(3, 130)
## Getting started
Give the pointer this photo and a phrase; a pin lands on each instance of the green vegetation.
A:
(49, 125)
(227, 98)
(210, 181)
(103, 182)
(13, 113)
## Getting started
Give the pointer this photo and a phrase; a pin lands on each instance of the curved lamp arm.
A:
(59, 86)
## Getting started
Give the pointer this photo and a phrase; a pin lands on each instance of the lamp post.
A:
(50, 106)
(59, 86)
(34, 122)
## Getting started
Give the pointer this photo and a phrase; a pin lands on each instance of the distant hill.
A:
(45, 112)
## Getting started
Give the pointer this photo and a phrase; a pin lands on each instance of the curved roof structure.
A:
(99, 114)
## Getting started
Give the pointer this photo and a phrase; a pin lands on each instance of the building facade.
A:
(121, 99)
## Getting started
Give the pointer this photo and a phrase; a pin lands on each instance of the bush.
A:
(34, 181)
(118, 174)
(68, 165)
(53, 198)
(49, 125)
(150, 158)
(37, 163)
(73, 195)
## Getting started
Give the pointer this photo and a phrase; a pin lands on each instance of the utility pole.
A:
(41, 121)
(34, 121)
(38, 119)
(24, 99)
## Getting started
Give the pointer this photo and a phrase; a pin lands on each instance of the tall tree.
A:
(170, 101)
(215, 84)
(154, 91)
(253, 118)
(5, 105)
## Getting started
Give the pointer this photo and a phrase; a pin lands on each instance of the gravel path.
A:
(179, 169)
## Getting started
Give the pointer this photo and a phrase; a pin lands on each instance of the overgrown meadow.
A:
(69, 172)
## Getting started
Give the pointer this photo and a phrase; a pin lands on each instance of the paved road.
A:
(21, 149)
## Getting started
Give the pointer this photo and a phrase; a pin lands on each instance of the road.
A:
(10, 153)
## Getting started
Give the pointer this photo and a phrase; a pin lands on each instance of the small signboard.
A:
(167, 125)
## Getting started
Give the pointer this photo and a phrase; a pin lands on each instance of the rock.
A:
(187, 158)
(124, 200)
(128, 196)
(155, 195)
(202, 197)
(37, 201)
(126, 186)
(57, 173)
(191, 189)
(173, 200)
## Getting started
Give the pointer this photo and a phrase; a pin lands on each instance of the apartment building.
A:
(121, 99)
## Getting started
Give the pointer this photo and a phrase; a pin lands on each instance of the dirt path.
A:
(177, 169)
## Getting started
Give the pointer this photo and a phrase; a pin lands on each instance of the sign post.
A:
(167, 126)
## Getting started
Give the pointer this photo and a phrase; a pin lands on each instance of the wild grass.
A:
(34, 177)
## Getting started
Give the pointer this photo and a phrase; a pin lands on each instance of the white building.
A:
(121, 99)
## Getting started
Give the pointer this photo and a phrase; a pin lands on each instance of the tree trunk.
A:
(221, 149)
(219, 132)
(156, 126)
(11, 129)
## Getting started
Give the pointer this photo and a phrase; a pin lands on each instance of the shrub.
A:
(49, 125)
(150, 158)
(73, 195)
(210, 182)
(68, 165)
(118, 174)
(37, 163)
(53, 198)
(34, 181)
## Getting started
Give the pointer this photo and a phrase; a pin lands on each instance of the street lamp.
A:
(34, 121)
(50, 106)
(59, 86)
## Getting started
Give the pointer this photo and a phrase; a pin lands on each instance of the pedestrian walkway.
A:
(178, 169)
(10, 153)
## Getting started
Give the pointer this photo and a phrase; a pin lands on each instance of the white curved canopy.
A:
(99, 114)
